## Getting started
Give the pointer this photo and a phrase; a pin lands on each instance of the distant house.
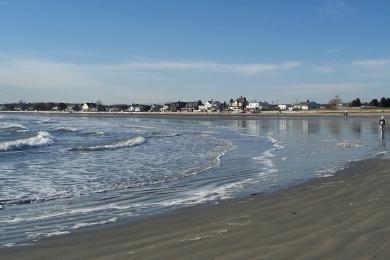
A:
(155, 108)
(165, 108)
(85, 107)
(140, 108)
(177, 106)
(264, 105)
(114, 109)
(2, 108)
(191, 106)
(308, 105)
(212, 105)
(253, 106)
(137, 108)
(283, 107)
(69, 108)
(239, 104)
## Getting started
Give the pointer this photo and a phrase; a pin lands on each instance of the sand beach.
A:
(346, 216)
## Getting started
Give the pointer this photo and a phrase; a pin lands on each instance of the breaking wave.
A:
(122, 144)
(65, 129)
(45, 121)
(5, 125)
(162, 135)
(41, 139)
(97, 133)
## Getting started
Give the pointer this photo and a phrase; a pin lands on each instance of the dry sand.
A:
(341, 217)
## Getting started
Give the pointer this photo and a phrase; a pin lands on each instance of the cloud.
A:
(371, 63)
(324, 69)
(44, 74)
(246, 69)
(336, 8)
(335, 50)
(322, 92)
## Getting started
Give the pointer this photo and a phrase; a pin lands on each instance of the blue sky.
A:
(159, 51)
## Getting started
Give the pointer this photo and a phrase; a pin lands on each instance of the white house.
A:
(307, 105)
(238, 104)
(212, 105)
(165, 108)
(253, 106)
(85, 107)
(283, 107)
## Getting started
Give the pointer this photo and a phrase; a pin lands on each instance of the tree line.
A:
(383, 102)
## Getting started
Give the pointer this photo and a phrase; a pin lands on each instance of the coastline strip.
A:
(346, 216)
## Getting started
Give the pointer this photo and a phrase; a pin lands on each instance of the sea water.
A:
(62, 173)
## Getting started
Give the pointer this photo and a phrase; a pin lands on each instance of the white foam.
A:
(349, 145)
(202, 195)
(41, 139)
(97, 133)
(273, 140)
(14, 245)
(122, 144)
(45, 121)
(5, 125)
(65, 129)
(47, 234)
(97, 208)
(266, 157)
(81, 225)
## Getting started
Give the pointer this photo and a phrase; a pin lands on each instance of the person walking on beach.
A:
(382, 123)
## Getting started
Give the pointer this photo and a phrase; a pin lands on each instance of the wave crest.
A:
(122, 144)
(5, 125)
(65, 129)
(41, 139)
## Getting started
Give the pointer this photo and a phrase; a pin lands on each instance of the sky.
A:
(156, 51)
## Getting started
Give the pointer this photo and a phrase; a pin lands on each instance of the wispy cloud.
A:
(43, 73)
(371, 63)
(335, 50)
(246, 69)
(336, 8)
(324, 69)
(323, 91)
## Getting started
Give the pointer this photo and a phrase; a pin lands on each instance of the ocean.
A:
(60, 173)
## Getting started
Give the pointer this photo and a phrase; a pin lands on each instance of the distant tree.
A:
(77, 107)
(334, 102)
(356, 103)
(9, 107)
(385, 102)
(42, 106)
(231, 101)
(374, 102)
(62, 106)
(244, 103)
(224, 105)
(123, 106)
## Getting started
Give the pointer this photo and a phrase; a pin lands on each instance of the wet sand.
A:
(342, 217)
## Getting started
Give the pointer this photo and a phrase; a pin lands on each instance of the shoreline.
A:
(214, 115)
(344, 216)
